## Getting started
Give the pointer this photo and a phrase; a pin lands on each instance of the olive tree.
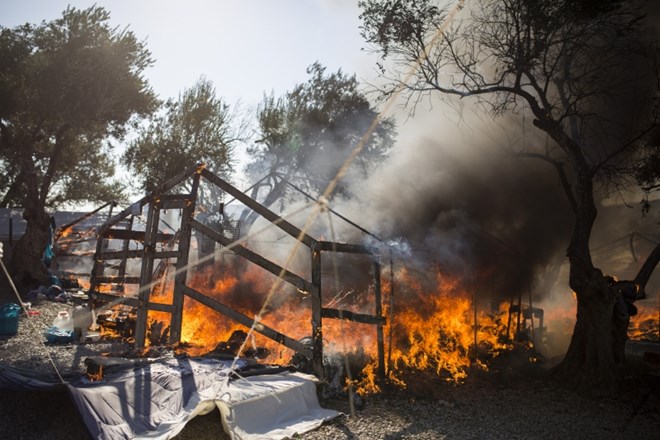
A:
(587, 75)
(66, 87)
(307, 134)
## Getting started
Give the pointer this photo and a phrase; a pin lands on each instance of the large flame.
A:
(432, 325)
(645, 325)
(440, 330)
(431, 328)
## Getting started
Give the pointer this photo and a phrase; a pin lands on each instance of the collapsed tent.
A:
(156, 400)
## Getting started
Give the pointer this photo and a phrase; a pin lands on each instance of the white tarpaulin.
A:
(156, 401)
(272, 407)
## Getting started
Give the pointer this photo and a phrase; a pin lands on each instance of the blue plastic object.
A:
(9, 314)
(55, 335)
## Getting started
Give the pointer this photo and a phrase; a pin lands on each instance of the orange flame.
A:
(645, 325)
(437, 331)
(433, 329)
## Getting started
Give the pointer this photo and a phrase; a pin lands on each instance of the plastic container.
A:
(63, 321)
(9, 314)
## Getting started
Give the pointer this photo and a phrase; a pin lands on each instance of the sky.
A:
(245, 47)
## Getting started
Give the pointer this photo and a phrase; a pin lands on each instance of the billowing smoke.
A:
(463, 204)
(465, 207)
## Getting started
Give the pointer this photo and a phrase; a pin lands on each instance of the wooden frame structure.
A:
(109, 288)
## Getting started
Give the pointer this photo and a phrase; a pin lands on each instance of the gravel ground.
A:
(511, 401)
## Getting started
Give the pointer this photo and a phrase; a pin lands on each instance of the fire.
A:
(432, 329)
(645, 325)
(435, 330)
(64, 232)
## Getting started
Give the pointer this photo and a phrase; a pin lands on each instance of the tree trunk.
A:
(26, 266)
(598, 342)
(590, 364)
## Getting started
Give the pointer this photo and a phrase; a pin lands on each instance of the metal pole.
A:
(517, 332)
(531, 311)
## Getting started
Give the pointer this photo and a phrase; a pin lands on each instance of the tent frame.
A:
(109, 288)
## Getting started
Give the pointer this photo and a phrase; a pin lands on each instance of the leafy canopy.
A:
(197, 127)
(66, 86)
(308, 133)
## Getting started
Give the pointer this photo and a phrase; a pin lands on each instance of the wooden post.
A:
(379, 327)
(517, 332)
(476, 323)
(97, 268)
(151, 230)
(317, 329)
(124, 247)
(182, 262)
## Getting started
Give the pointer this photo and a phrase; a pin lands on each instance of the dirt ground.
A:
(510, 401)
(513, 399)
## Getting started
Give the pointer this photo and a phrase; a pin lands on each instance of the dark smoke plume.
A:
(472, 211)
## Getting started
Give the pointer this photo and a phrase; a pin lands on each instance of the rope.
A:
(322, 201)
(50, 358)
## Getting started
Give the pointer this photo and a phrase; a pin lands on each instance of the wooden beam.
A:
(173, 201)
(124, 234)
(317, 316)
(257, 259)
(59, 231)
(352, 316)
(182, 262)
(380, 345)
(158, 191)
(146, 271)
(260, 209)
(248, 322)
(136, 253)
(133, 302)
(344, 247)
(125, 247)
(117, 280)
(98, 269)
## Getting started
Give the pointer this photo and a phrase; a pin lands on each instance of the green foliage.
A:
(66, 86)
(195, 128)
(308, 133)
(392, 23)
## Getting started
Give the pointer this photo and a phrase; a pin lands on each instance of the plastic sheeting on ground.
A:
(156, 401)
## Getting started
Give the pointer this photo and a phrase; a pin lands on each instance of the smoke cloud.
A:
(466, 207)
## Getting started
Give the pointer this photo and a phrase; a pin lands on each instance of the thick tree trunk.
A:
(26, 266)
(590, 364)
(598, 343)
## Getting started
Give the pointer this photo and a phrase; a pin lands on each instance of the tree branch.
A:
(559, 166)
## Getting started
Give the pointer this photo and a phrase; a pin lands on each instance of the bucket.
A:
(9, 314)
